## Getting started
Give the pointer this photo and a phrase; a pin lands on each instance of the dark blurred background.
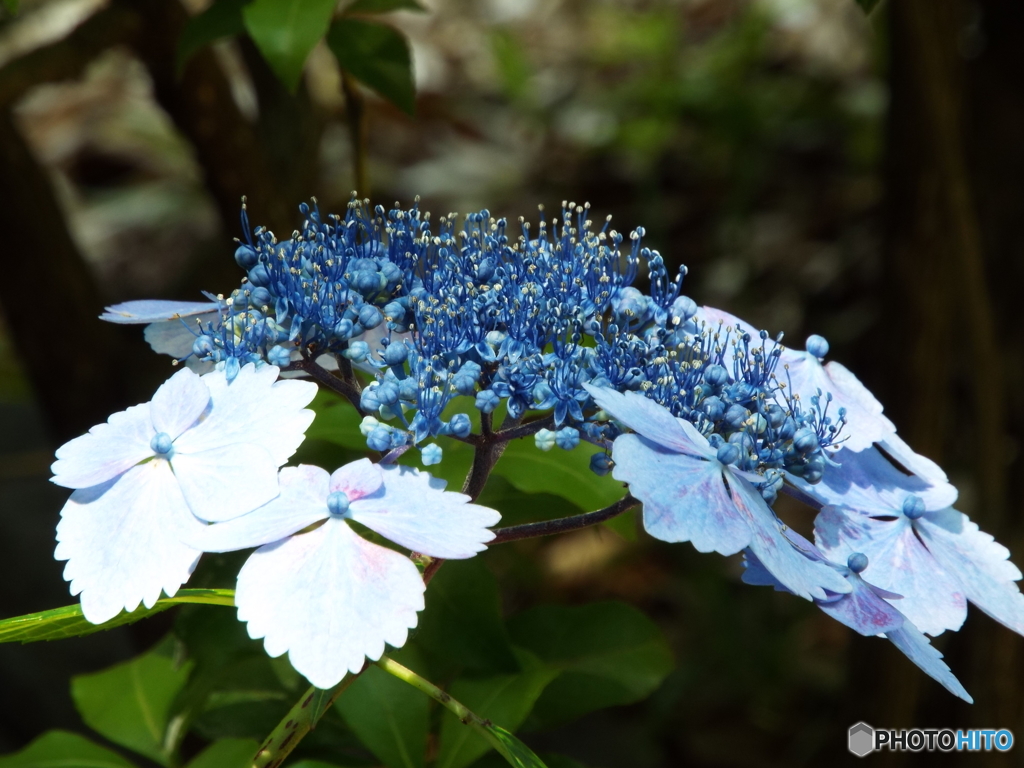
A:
(817, 169)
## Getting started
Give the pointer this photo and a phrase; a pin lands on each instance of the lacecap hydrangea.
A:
(705, 418)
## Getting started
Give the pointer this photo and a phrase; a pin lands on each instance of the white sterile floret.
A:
(328, 597)
(202, 448)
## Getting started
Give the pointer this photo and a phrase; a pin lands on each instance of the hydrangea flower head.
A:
(327, 596)
(202, 448)
(693, 492)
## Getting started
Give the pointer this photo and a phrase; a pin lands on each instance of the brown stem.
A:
(564, 524)
(347, 389)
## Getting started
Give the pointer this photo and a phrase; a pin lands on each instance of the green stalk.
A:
(300, 720)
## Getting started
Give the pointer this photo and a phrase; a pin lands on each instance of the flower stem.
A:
(349, 389)
(405, 674)
(563, 524)
(300, 720)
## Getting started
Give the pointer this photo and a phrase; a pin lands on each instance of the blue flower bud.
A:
(815, 469)
(370, 316)
(357, 351)
(408, 389)
(246, 257)
(279, 356)
(683, 308)
(601, 464)
(231, 368)
(713, 408)
(368, 400)
(337, 504)
(913, 507)
(259, 275)
(735, 416)
(161, 444)
(567, 438)
(379, 439)
(729, 453)
(716, 376)
(816, 345)
(805, 440)
(460, 425)
(788, 429)
(394, 311)
(343, 329)
(776, 415)
(203, 346)
(368, 281)
(396, 354)
(387, 392)
(858, 561)
(260, 297)
(431, 454)
(487, 400)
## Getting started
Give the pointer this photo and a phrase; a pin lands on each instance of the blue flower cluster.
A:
(471, 311)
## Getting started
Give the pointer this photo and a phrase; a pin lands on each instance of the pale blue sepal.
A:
(653, 421)
(330, 599)
(978, 562)
(933, 598)
(414, 510)
(223, 483)
(156, 310)
(178, 403)
(917, 648)
(106, 450)
(122, 541)
(301, 503)
(868, 482)
(254, 408)
(686, 499)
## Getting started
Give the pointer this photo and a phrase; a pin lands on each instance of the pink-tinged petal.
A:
(106, 450)
(684, 498)
(155, 310)
(302, 502)
(978, 562)
(357, 479)
(254, 408)
(415, 511)
(330, 599)
(653, 421)
(919, 465)
(804, 375)
(897, 562)
(223, 483)
(862, 610)
(178, 403)
(122, 541)
(801, 573)
(868, 482)
(917, 648)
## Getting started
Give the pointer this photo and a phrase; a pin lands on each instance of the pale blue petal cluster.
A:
(327, 596)
(866, 609)
(203, 449)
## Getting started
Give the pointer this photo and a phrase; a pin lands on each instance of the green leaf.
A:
(130, 703)
(336, 422)
(227, 753)
(563, 473)
(222, 19)
(513, 750)
(378, 56)
(384, 6)
(286, 31)
(68, 621)
(609, 653)
(513, 67)
(504, 700)
(868, 5)
(462, 627)
(389, 716)
(313, 764)
(11, 6)
(60, 749)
